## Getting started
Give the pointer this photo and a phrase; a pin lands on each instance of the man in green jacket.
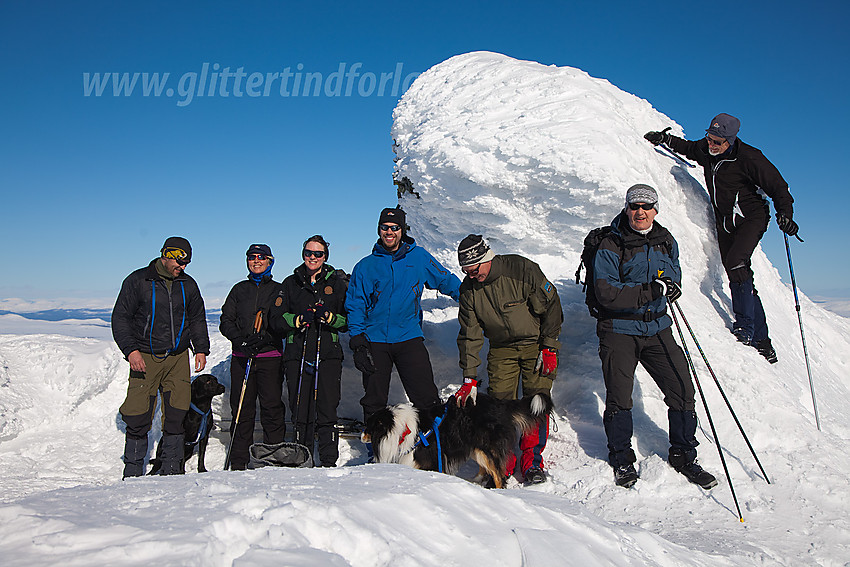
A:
(507, 299)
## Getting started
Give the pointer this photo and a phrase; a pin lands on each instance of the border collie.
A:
(484, 429)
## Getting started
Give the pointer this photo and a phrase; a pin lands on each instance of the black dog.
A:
(197, 424)
(486, 430)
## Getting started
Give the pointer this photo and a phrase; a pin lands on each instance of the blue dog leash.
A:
(206, 418)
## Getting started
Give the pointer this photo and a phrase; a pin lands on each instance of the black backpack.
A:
(588, 255)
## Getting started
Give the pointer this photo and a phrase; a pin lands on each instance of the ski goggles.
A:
(177, 254)
(259, 257)
(390, 227)
(315, 253)
(644, 206)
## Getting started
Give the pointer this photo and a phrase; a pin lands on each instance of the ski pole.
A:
(297, 410)
(707, 413)
(670, 153)
(722, 393)
(312, 416)
(802, 334)
(258, 323)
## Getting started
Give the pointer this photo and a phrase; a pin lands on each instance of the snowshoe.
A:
(697, 475)
(625, 476)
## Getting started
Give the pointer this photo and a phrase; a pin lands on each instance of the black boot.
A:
(328, 445)
(135, 451)
(172, 454)
(625, 476)
(767, 351)
(691, 470)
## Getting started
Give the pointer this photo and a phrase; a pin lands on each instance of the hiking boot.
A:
(743, 335)
(534, 475)
(625, 476)
(767, 351)
(135, 451)
(697, 475)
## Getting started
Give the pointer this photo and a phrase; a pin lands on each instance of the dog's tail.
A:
(530, 411)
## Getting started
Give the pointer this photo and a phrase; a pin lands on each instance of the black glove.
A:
(306, 317)
(665, 286)
(656, 138)
(362, 354)
(786, 225)
(254, 342)
(324, 315)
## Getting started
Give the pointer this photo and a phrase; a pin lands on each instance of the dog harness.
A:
(423, 438)
(203, 428)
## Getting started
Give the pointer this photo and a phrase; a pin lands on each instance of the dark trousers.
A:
(266, 383)
(313, 405)
(665, 362)
(736, 249)
(414, 368)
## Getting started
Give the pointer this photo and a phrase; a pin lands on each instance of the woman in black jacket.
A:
(311, 317)
(263, 346)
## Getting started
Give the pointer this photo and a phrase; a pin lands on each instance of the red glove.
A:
(547, 362)
(468, 390)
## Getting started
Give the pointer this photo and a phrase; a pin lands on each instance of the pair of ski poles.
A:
(678, 308)
(297, 411)
(258, 323)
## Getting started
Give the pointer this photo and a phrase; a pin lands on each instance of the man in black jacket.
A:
(737, 176)
(158, 315)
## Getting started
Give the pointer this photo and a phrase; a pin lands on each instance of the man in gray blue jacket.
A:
(636, 274)
(385, 315)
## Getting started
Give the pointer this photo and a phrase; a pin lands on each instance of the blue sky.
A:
(93, 184)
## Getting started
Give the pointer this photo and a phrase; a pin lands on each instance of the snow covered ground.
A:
(533, 157)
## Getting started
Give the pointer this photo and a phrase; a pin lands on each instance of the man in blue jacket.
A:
(636, 275)
(385, 315)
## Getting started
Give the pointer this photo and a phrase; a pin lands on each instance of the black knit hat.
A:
(263, 249)
(177, 248)
(474, 250)
(396, 215)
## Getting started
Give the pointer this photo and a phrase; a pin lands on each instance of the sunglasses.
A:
(388, 227)
(315, 253)
(714, 142)
(177, 254)
(644, 206)
(259, 257)
(471, 273)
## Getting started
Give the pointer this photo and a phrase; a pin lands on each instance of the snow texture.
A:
(532, 157)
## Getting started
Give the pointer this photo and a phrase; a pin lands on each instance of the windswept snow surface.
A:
(533, 157)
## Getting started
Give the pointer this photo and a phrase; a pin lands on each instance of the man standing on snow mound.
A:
(158, 315)
(636, 275)
(385, 315)
(507, 299)
(737, 176)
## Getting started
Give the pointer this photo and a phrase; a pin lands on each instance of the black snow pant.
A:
(414, 368)
(266, 383)
(665, 362)
(736, 250)
(313, 405)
